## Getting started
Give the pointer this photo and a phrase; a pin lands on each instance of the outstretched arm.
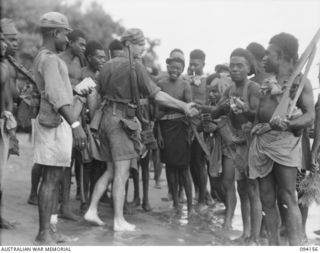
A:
(165, 99)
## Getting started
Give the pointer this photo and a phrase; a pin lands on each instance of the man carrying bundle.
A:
(275, 154)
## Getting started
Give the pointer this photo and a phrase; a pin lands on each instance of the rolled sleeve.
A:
(145, 82)
(56, 90)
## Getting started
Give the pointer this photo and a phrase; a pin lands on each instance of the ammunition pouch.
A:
(48, 117)
(131, 127)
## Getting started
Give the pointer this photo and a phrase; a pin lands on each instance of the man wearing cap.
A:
(243, 97)
(11, 37)
(275, 151)
(198, 84)
(56, 122)
(118, 129)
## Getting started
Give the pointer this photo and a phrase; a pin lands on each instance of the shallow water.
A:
(161, 226)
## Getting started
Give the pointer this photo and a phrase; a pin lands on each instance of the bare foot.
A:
(242, 239)
(33, 200)
(146, 206)
(68, 215)
(122, 225)
(44, 238)
(202, 208)
(61, 238)
(168, 198)
(158, 185)
(4, 224)
(93, 218)
(191, 213)
(227, 227)
(135, 202)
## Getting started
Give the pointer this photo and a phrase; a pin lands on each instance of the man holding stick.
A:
(275, 151)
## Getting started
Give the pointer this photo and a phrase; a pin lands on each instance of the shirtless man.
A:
(93, 165)
(198, 85)
(245, 95)
(275, 155)
(73, 56)
(258, 52)
(175, 152)
(5, 107)
(316, 142)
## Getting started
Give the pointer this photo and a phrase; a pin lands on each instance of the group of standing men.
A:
(218, 126)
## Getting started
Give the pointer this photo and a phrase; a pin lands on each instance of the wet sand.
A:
(159, 227)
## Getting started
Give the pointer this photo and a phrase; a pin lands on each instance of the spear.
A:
(306, 57)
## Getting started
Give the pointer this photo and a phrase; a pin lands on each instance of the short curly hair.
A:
(198, 54)
(91, 47)
(288, 45)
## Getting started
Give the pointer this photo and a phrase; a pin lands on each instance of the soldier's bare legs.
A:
(66, 212)
(35, 180)
(92, 214)
(48, 190)
(121, 174)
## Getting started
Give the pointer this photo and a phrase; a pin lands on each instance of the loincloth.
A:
(273, 147)
(238, 153)
(214, 144)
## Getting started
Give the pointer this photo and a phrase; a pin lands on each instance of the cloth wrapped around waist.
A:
(238, 149)
(273, 146)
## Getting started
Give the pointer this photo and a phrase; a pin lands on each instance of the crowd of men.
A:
(215, 130)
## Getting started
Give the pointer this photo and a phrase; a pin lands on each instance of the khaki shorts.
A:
(115, 143)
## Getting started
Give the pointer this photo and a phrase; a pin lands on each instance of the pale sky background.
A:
(217, 27)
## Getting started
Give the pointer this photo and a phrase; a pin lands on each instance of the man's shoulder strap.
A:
(20, 68)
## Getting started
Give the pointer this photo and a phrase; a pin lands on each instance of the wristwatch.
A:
(75, 124)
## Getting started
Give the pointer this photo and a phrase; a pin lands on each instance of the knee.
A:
(286, 197)
(253, 191)
(268, 202)
(228, 183)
